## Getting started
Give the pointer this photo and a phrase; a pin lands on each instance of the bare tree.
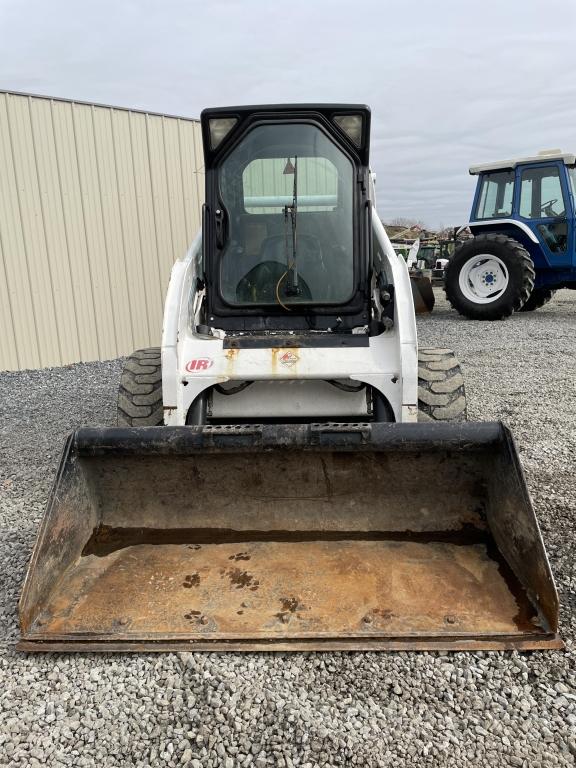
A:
(402, 221)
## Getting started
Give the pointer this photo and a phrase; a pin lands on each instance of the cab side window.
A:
(541, 194)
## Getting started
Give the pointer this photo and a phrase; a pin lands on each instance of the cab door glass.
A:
(288, 194)
(572, 174)
(542, 197)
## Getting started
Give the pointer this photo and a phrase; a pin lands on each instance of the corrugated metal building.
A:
(96, 203)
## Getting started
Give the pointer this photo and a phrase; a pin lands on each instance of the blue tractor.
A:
(524, 244)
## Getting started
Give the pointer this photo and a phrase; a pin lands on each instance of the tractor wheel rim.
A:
(483, 278)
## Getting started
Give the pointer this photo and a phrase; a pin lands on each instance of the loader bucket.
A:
(422, 294)
(289, 537)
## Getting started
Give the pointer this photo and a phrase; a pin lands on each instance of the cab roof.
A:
(546, 154)
(244, 115)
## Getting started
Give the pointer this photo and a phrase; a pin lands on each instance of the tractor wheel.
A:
(140, 391)
(537, 299)
(441, 395)
(489, 277)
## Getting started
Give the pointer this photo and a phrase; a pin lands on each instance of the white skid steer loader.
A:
(286, 473)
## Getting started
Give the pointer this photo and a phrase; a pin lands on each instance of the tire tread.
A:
(140, 390)
(441, 393)
(537, 299)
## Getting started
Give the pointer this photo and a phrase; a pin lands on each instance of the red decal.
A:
(199, 364)
(289, 358)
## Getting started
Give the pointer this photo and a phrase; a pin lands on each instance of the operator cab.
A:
(285, 219)
(538, 192)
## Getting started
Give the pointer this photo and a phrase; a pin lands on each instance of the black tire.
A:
(520, 272)
(140, 391)
(537, 299)
(441, 394)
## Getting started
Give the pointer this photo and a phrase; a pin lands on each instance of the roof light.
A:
(220, 127)
(352, 127)
(547, 152)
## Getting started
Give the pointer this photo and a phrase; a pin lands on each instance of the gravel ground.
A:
(396, 709)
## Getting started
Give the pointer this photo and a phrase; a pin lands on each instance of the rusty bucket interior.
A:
(293, 537)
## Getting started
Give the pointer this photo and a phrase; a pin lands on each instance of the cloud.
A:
(450, 83)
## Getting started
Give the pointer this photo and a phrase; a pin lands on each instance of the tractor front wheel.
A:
(489, 277)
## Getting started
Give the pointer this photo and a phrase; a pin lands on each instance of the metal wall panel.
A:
(96, 203)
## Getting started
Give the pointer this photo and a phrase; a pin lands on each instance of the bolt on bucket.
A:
(289, 537)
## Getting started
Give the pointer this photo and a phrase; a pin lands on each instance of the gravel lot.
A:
(403, 709)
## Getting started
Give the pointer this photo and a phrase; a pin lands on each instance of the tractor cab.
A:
(532, 198)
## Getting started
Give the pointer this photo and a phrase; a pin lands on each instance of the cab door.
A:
(543, 203)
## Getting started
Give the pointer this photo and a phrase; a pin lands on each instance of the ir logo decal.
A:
(199, 364)
(289, 359)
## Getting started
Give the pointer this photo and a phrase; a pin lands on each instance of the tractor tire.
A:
(486, 261)
(537, 299)
(140, 391)
(441, 394)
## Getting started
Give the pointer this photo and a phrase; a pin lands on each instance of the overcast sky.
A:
(450, 82)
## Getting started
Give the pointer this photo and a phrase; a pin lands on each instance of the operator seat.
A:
(259, 283)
